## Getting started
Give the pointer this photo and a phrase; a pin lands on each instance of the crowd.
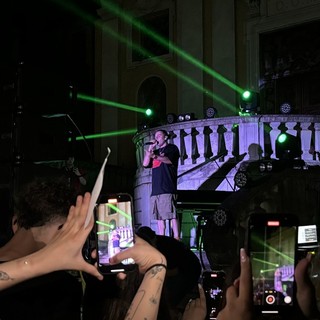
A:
(37, 279)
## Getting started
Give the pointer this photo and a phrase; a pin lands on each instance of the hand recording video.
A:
(114, 229)
(273, 262)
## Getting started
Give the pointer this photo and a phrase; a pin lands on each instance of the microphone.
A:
(150, 142)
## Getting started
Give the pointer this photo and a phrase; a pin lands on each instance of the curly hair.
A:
(42, 201)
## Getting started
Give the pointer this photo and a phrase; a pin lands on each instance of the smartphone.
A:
(213, 283)
(114, 230)
(272, 246)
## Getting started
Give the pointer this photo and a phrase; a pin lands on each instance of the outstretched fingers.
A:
(245, 289)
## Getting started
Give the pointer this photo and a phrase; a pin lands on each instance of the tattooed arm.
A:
(63, 252)
(145, 304)
(152, 264)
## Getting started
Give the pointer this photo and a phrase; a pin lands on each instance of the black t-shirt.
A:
(55, 296)
(164, 176)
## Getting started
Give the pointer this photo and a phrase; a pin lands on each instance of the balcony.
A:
(213, 150)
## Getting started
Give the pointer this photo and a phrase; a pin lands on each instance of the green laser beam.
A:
(170, 69)
(267, 270)
(104, 224)
(266, 262)
(84, 97)
(115, 208)
(156, 60)
(166, 42)
(105, 134)
(259, 241)
(103, 232)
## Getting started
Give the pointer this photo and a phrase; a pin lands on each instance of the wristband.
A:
(156, 265)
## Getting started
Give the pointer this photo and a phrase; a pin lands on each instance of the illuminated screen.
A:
(114, 229)
(307, 234)
(213, 283)
(272, 255)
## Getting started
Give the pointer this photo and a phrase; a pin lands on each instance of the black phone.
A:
(213, 283)
(114, 230)
(272, 246)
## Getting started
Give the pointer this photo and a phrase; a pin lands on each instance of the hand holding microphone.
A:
(151, 143)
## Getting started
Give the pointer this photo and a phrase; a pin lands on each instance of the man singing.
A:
(163, 158)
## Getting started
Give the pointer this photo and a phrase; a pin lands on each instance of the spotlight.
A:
(265, 166)
(149, 112)
(241, 179)
(171, 118)
(287, 147)
(210, 112)
(220, 217)
(249, 102)
(186, 117)
(143, 126)
(285, 108)
(181, 117)
(189, 116)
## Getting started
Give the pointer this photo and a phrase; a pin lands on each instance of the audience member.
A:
(239, 300)
(306, 295)
(184, 269)
(196, 309)
(111, 298)
(64, 252)
(42, 208)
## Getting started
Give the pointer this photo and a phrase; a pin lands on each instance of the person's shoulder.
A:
(170, 243)
(172, 147)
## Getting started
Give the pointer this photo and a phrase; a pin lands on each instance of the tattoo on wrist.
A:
(4, 276)
(154, 300)
(156, 268)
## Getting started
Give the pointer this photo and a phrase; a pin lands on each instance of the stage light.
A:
(265, 166)
(210, 112)
(143, 126)
(262, 167)
(287, 147)
(189, 116)
(219, 225)
(241, 179)
(249, 103)
(181, 117)
(220, 217)
(171, 118)
(149, 112)
(285, 108)
(186, 117)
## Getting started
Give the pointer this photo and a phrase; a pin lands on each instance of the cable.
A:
(84, 138)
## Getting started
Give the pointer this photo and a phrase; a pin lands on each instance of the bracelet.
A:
(156, 265)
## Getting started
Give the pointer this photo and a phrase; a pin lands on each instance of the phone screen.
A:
(114, 231)
(272, 247)
(213, 285)
(307, 236)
